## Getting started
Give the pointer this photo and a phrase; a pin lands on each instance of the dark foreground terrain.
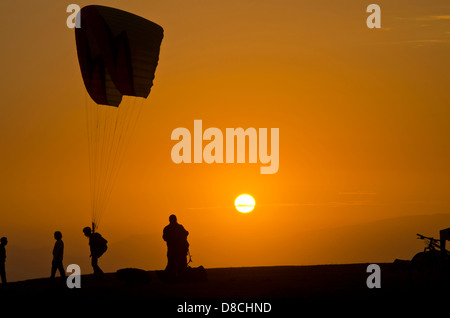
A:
(285, 285)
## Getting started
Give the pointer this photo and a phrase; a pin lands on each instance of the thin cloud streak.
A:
(426, 18)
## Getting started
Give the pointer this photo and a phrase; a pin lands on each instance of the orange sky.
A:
(363, 117)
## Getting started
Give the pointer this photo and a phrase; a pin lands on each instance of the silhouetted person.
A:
(177, 247)
(58, 252)
(3, 242)
(97, 245)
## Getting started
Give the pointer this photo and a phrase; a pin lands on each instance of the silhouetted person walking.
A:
(98, 246)
(177, 247)
(3, 242)
(58, 252)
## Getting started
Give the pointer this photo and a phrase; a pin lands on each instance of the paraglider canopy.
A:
(118, 53)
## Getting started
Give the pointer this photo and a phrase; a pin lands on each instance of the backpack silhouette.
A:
(98, 244)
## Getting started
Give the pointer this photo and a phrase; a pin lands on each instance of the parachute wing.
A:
(118, 53)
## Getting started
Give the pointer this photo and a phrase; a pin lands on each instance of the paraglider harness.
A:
(99, 242)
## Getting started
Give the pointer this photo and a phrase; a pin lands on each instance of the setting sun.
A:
(244, 203)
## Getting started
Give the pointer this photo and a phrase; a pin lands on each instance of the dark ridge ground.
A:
(319, 281)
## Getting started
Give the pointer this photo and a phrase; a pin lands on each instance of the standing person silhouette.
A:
(177, 247)
(98, 246)
(3, 242)
(58, 252)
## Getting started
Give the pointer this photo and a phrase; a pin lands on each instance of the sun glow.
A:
(244, 203)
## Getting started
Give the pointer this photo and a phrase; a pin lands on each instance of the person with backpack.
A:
(177, 247)
(98, 247)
